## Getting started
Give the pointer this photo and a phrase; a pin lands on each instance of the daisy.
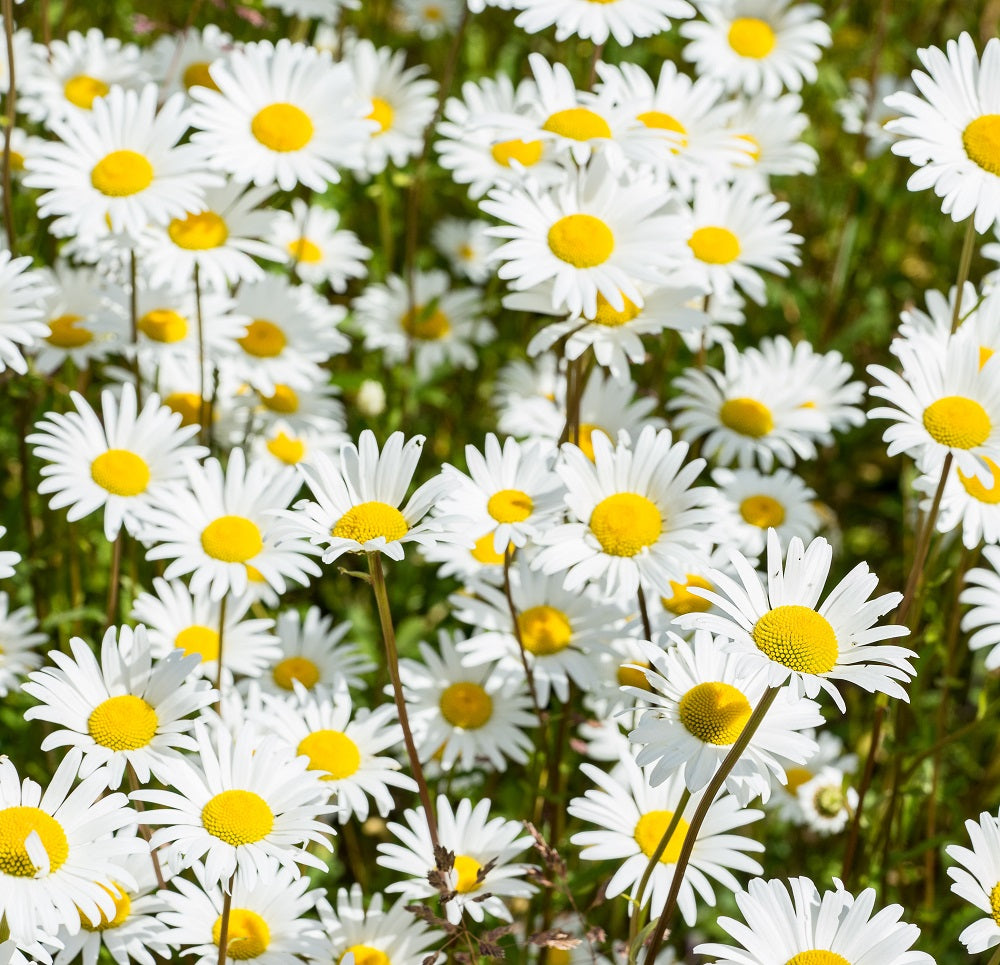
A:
(18, 640)
(467, 246)
(794, 922)
(178, 62)
(283, 113)
(437, 324)
(783, 636)
(481, 873)
(268, 921)
(699, 704)
(178, 620)
(390, 936)
(525, 397)
(321, 252)
(126, 464)
(825, 804)
(343, 746)
(465, 712)
(359, 497)
(327, 12)
(312, 408)
(224, 524)
(243, 807)
(757, 45)
(632, 817)
(864, 110)
(982, 592)
(967, 502)
(280, 446)
(120, 167)
(58, 849)
(769, 131)
(123, 711)
(22, 313)
(591, 235)
(949, 131)
(479, 562)
(430, 18)
(621, 19)
(829, 756)
(639, 519)
(977, 880)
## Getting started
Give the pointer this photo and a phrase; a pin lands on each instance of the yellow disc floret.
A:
(683, 600)
(650, 830)
(197, 74)
(366, 955)
(714, 712)
(978, 490)
(957, 422)
(287, 448)
(629, 675)
(714, 245)
(659, 121)
(762, 511)
(425, 323)
(187, 405)
(585, 436)
(263, 340)
(382, 113)
(797, 637)
(581, 240)
(995, 903)
(285, 400)
(120, 472)
(82, 90)
(466, 704)
(509, 506)
(163, 325)
(121, 174)
(304, 250)
(817, 956)
(746, 416)
(981, 140)
(123, 723)
(123, 908)
(370, 520)
(544, 630)
(613, 317)
(237, 817)
(626, 523)
(282, 127)
(232, 539)
(751, 37)
(526, 153)
(577, 124)
(467, 869)
(297, 668)
(16, 823)
(66, 332)
(331, 751)
(198, 232)
(483, 551)
(198, 639)
(246, 937)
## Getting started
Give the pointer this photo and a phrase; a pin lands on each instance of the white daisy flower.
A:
(480, 561)
(484, 849)
(225, 524)
(327, 12)
(950, 131)
(245, 805)
(178, 62)
(966, 502)
(806, 926)
(978, 881)
(829, 755)
(621, 19)
(864, 111)
(123, 711)
(18, 641)
(282, 113)
(525, 397)
(757, 45)
(429, 18)
(128, 463)
(639, 519)
(302, 409)
(22, 311)
(321, 252)
(784, 636)
(825, 803)
(769, 131)
(467, 246)
(982, 593)
(632, 817)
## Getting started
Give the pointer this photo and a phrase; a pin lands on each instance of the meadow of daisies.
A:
(506, 480)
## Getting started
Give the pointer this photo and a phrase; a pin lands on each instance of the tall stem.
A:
(133, 309)
(203, 415)
(218, 663)
(515, 623)
(701, 812)
(227, 904)
(392, 661)
(114, 580)
(647, 627)
(964, 264)
(133, 781)
(8, 209)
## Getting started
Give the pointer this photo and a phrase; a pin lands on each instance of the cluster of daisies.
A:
(649, 569)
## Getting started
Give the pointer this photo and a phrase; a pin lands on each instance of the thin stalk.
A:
(203, 415)
(114, 580)
(636, 921)
(701, 812)
(647, 627)
(392, 662)
(218, 663)
(385, 226)
(227, 904)
(964, 264)
(10, 121)
(133, 780)
(528, 672)
(133, 308)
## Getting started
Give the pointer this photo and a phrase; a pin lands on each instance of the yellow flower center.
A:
(123, 907)
(752, 148)
(16, 161)
(302, 249)
(466, 705)
(544, 630)
(585, 437)
(426, 323)
(977, 490)
(751, 37)
(197, 75)
(263, 340)
(797, 637)
(957, 422)
(483, 551)
(282, 127)
(659, 121)
(123, 723)
(121, 173)
(237, 817)
(995, 903)
(650, 830)
(198, 232)
(612, 317)
(285, 400)
(246, 937)
(577, 124)
(163, 325)
(185, 404)
(581, 240)
(232, 539)
(366, 955)
(714, 712)
(16, 823)
(67, 333)
(714, 245)
(981, 140)
(467, 870)
(684, 601)
(526, 153)
(382, 114)
(291, 669)
(817, 956)
(509, 506)
(625, 524)
(746, 416)
(370, 520)
(287, 448)
(83, 90)
(331, 751)
(985, 354)
(561, 956)
(630, 676)
(120, 472)
(198, 639)
(795, 777)
(762, 511)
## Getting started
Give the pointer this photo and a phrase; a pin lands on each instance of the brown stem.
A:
(647, 627)
(227, 904)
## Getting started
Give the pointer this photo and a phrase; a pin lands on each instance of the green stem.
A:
(964, 264)
(218, 663)
(227, 904)
(528, 672)
(10, 121)
(114, 580)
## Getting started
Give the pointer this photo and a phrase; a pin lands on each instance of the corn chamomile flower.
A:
(224, 525)
(483, 872)
(122, 711)
(18, 640)
(621, 19)
(313, 243)
(283, 113)
(757, 45)
(242, 806)
(464, 713)
(794, 923)
(785, 635)
(638, 517)
(22, 315)
(977, 880)
(131, 461)
(825, 803)
(632, 816)
(982, 593)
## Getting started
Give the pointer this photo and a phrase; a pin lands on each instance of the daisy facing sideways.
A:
(977, 880)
